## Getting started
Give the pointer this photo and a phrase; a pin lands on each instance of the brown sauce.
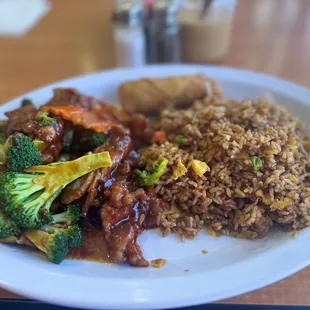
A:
(93, 248)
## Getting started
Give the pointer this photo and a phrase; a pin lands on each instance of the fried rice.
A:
(234, 169)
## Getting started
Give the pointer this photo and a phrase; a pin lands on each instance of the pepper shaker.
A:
(128, 33)
(164, 32)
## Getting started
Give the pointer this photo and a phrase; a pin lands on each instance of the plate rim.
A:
(8, 282)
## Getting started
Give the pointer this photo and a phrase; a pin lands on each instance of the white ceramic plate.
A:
(231, 266)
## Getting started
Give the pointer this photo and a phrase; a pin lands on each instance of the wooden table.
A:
(271, 36)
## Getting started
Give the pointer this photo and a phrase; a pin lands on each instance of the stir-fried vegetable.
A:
(84, 118)
(26, 102)
(56, 238)
(99, 139)
(257, 163)
(26, 197)
(20, 152)
(7, 227)
(179, 139)
(54, 245)
(159, 136)
(44, 119)
(147, 178)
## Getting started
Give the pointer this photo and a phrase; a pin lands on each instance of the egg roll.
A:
(151, 95)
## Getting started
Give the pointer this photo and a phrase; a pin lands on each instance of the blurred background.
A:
(44, 41)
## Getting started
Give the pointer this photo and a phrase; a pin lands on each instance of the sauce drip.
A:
(93, 248)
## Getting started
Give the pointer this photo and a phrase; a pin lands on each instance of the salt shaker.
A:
(164, 32)
(128, 33)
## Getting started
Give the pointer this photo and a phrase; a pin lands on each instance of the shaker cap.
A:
(128, 12)
(165, 10)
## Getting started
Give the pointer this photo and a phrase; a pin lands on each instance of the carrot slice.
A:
(87, 119)
(159, 136)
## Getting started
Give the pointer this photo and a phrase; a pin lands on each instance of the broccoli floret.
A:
(56, 238)
(73, 233)
(74, 236)
(67, 223)
(99, 139)
(7, 227)
(86, 140)
(26, 101)
(21, 153)
(147, 178)
(44, 120)
(70, 216)
(25, 201)
(257, 163)
(179, 139)
(26, 197)
(54, 245)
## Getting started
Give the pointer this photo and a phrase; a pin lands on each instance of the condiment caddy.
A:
(171, 31)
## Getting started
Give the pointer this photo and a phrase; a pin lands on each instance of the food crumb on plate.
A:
(186, 270)
(294, 234)
(158, 263)
(204, 252)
